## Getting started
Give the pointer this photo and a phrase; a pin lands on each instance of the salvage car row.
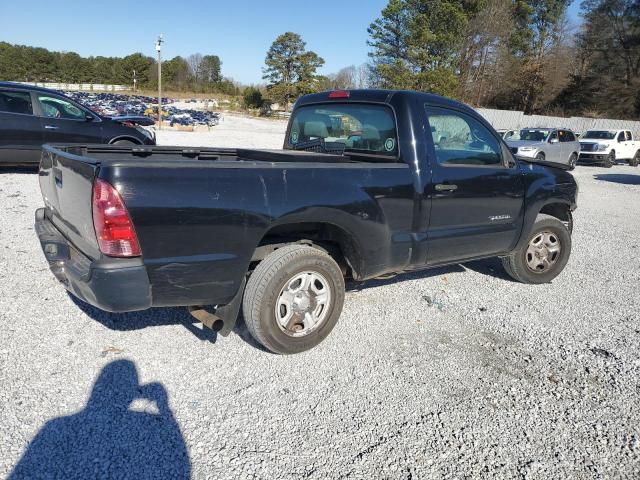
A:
(111, 104)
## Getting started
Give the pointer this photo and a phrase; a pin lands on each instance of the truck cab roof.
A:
(380, 96)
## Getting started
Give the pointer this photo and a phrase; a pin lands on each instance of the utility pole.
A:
(159, 48)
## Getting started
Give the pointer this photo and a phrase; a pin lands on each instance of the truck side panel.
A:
(199, 224)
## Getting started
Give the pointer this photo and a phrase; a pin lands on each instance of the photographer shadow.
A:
(109, 439)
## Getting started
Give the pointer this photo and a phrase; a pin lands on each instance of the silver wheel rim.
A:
(543, 252)
(303, 304)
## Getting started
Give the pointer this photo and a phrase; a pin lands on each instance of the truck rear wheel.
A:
(573, 160)
(635, 161)
(293, 299)
(545, 254)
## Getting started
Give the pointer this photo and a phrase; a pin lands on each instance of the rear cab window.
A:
(12, 101)
(358, 129)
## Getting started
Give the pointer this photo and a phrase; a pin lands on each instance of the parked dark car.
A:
(403, 181)
(31, 116)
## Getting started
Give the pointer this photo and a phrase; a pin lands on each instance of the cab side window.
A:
(628, 136)
(56, 107)
(460, 140)
(15, 102)
(621, 137)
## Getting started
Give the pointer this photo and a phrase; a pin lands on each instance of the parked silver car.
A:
(558, 145)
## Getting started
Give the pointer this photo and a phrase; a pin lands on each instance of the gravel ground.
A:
(456, 372)
(231, 132)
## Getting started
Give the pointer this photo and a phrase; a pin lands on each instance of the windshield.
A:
(358, 128)
(534, 135)
(600, 135)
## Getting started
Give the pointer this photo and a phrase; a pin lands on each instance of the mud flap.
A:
(224, 318)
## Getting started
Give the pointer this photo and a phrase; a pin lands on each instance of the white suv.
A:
(608, 146)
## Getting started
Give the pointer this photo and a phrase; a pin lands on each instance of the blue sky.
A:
(239, 31)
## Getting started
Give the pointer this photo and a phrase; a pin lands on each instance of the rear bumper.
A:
(111, 284)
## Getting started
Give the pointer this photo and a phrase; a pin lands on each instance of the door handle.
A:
(50, 127)
(445, 187)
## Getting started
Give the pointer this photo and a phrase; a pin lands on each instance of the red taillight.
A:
(339, 94)
(114, 229)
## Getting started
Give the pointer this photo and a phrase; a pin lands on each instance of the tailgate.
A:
(66, 182)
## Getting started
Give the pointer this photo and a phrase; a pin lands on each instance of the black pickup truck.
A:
(370, 183)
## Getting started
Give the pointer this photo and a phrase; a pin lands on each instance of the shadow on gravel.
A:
(157, 317)
(154, 317)
(108, 439)
(10, 170)
(491, 267)
(619, 178)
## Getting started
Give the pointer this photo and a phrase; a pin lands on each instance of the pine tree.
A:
(290, 68)
(416, 44)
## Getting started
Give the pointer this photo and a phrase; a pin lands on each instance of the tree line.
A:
(197, 73)
(508, 54)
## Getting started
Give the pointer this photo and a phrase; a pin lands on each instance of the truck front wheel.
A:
(293, 299)
(610, 160)
(544, 255)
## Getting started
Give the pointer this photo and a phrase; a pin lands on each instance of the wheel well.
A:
(130, 139)
(325, 236)
(561, 211)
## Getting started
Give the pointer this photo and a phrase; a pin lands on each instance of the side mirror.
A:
(89, 118)
(554, 140)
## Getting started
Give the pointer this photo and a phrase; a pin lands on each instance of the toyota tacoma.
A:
(369, 183)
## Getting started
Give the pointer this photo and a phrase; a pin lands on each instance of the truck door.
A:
(629, 145)
(620, 147)
(477, 192)
(567, 142)
(20, 133)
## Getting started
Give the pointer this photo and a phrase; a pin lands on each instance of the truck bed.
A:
(200, 213)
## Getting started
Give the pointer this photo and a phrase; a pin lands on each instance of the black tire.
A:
(611, 160)
(516, 264)
(635, 161)
(124, 143)
(265, 285)
(573, 160)
(541, 157)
